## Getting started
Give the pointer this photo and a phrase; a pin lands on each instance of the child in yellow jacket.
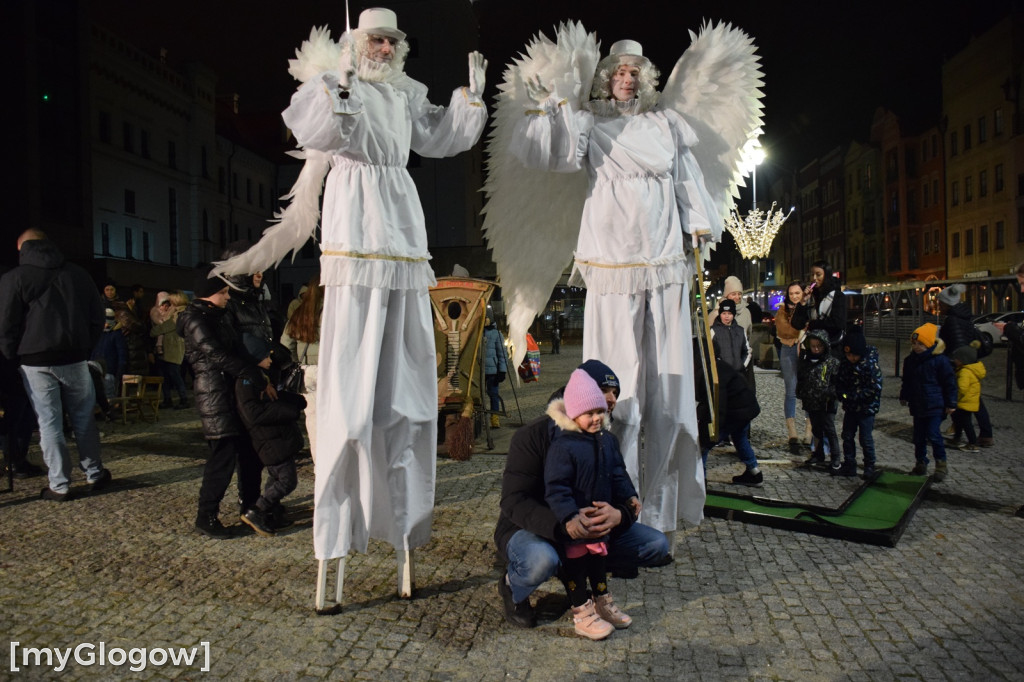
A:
(969, 373)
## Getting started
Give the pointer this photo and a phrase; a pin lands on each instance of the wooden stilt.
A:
(406, 573)
(321, 587)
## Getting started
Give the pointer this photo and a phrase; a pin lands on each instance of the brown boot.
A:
(794, 438)
(589, 624)
(609, 611)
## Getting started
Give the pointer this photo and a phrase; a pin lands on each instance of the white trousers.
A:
(646, 339)
(376, 421)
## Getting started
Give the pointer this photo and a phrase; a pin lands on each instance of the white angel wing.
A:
(715, 86)
(532, 218)
(296, 223)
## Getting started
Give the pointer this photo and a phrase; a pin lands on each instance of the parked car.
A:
(988, 330)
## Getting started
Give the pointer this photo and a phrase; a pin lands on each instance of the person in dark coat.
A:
(957, 331)
(584, 464)
(815, 386)
(823, 307)
(859, 388)
(929, 390)
(274, 429)
(527, 533)
(214, 349)
(50, 319)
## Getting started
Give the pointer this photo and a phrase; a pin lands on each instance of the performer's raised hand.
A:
(536, 89)
(477, 73)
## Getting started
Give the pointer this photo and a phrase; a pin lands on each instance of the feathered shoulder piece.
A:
(316, 55)
(532, 218)
(293, 226)
(715, 86)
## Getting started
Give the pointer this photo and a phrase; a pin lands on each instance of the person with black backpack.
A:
(958, 330)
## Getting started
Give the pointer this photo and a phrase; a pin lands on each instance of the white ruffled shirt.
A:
(646, 189)
(374, 233)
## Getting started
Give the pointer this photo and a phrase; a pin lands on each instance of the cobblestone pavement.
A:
(126, 569)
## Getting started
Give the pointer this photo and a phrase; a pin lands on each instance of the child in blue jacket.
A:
(584, 465)
(859, 385)
(929, 389)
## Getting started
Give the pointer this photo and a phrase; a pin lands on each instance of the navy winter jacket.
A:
(929, 382)
(582, 468)
(860, 385)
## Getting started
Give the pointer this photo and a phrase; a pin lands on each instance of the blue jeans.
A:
(740, 435)
(491, 382)
(865, 423)
(927, 430)
(532, 560)
(53, 391)
(788, 362)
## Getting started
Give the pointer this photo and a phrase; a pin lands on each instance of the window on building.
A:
(956, 245)
(969, 241)
(172, 222)
(935, 241)
(968, 189)
(128, 246)
(982, 129)
(867, 178)
(926, 246)
(997, 122)
(144, 143)
(983, 239)
(967, 137)
(983, 183)
(105, 239)
(999, 178)
(172, 154)
(954, 147)
(129, 202)
(1000, 235)
(954, 193)
(145, 246)
(248, 190)
(128, 136)
(104, 126)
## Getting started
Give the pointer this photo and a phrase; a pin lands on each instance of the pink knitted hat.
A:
(582, 394)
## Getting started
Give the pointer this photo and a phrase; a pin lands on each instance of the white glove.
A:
(536, 90)
(346, 67)
(477, 73)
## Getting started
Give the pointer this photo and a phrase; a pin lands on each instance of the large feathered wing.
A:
(715, 86)
(295, 224)
(532, 218)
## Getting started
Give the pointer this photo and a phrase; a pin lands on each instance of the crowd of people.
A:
(582, 494)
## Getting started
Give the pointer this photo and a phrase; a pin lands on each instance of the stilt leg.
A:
(321, 587)
(406, 573)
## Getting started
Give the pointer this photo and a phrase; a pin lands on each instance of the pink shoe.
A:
(609, 611)
(589, 624)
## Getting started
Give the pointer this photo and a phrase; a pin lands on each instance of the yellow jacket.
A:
(968, 383)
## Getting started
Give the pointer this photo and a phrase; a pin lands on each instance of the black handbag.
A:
(293, 377)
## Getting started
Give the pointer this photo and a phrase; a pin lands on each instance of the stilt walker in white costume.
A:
(646, 182)
(358, 112)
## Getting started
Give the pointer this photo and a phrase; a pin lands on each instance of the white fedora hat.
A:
(380, 21)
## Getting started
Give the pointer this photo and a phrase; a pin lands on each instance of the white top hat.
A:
(628, 52)
(380, 21)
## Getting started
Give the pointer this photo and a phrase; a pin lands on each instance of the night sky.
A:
(827, 65)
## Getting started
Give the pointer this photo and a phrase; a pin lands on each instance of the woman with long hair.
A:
(789, 352)
(302, 337)
(823, 307)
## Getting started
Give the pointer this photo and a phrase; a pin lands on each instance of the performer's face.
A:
(380, 48)
(624, 82)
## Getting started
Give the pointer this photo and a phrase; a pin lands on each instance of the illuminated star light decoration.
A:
(755, 233)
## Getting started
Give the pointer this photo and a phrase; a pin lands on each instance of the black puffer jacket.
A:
(825, 310)
(214, 350)
(50, 311)
(273, 424)
(957, 329)
(252, 320)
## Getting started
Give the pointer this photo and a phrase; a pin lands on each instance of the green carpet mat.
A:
(876, 513)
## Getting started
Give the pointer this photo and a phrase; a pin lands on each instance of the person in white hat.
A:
(646, 198)
(376, 452)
